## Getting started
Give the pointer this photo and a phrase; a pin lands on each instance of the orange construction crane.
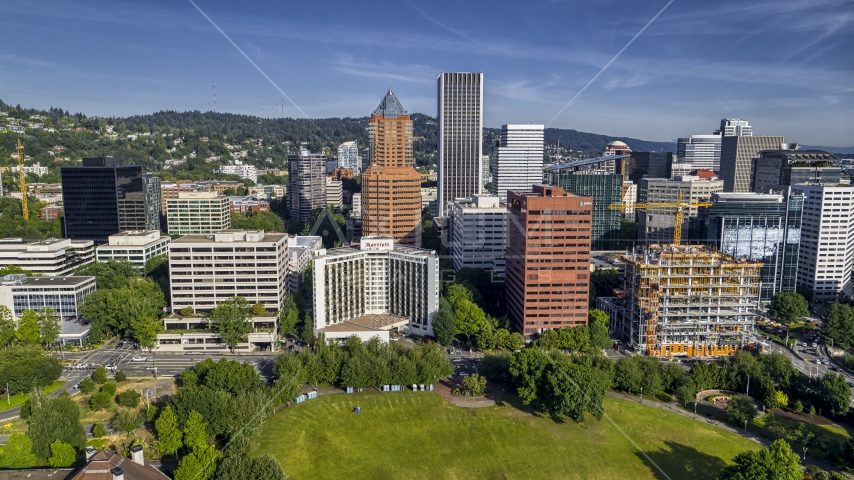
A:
(23, 181)
(678, 205)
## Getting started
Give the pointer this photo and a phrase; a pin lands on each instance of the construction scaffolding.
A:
(689, 300)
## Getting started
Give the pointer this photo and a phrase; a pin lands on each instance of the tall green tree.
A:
(62, 454)
(628, 374)
(111, 310)
(49, 328)
(54, 419)
(597, 322)
(28, 327)
(111, 274)
(199, 465)
(18, 452)
(144, 330)
(741, 409)
(572, 389)
(168, 435)
(307, 332)
(231, 320)
(774, 462)
(838, 327)
(288, 317)
(788, 306)
(471, 319)
(528, 367)
(195, 432)
(7, 327)
(835, 391)
(444, 323)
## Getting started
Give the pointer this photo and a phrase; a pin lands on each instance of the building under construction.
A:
(684, 300)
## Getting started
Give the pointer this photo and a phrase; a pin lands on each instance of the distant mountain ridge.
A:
(329, 129)
(331, 132)
(843, 150)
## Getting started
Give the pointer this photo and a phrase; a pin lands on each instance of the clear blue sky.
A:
(785, 65)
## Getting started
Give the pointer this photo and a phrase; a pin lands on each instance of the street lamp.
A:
(805, 453)
(745, 426)
(747, 391)
(641, 395)
(695, 410)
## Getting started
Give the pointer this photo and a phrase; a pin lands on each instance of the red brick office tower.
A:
(548, 259)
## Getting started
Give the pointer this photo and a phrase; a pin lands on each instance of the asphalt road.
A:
(167, 365)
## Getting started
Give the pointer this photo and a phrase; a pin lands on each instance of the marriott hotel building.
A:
(376, 277)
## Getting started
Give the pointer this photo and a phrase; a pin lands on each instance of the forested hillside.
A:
(151, 140)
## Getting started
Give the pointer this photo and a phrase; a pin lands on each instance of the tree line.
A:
(360, 364)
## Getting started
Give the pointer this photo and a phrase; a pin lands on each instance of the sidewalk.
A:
(674, 407)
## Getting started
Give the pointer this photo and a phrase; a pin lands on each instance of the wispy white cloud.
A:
(385, 70)
(31, 62)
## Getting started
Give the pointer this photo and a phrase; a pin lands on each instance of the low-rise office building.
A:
(197, 334)
(50, 213)
(54, 256)
(136, 247)
(377, 277)
(198, 213)
(249, 204)
(267, 191)
(63, 294)
(205, 270)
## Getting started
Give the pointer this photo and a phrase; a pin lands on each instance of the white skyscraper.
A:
(827, 240)
(460, 137)
(704, 151)
(348, 157)
(518, 163)
(700, 151)
(735, 127)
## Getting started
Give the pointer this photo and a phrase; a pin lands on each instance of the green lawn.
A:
(18, 399)
(420, 435)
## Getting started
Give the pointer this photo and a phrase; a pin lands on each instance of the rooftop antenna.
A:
(214, 94)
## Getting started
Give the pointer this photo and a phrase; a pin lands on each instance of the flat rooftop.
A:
(209, 238)
(72, 329)
(135, 233)
(341, 251)
(368, 323)
(51, 281)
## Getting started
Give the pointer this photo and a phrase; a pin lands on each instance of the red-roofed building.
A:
(705, 174)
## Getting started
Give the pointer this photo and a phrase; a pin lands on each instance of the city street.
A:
(166, 364)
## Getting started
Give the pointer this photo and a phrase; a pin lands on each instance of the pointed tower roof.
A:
(390, 106)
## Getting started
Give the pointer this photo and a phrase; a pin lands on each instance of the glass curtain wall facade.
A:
(605, 188)
(102, 198)
(766, 230)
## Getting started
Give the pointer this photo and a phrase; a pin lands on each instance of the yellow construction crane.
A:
(23, 181)
(678, 205)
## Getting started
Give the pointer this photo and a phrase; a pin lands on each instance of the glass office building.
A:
(102, 198)
(765, 228)
(605, 188)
